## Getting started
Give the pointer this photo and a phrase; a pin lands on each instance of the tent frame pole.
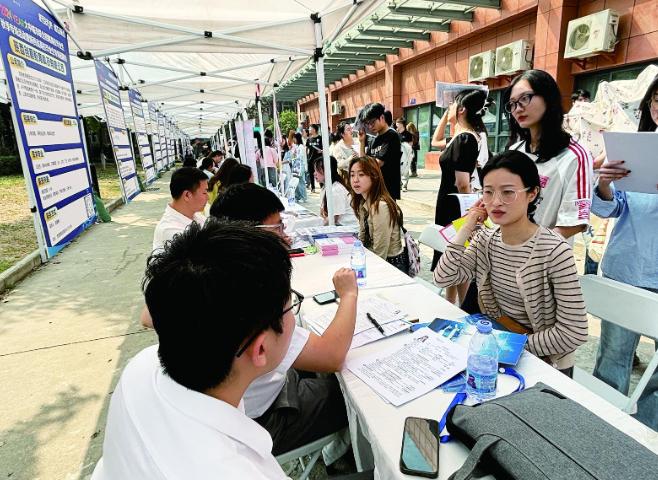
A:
(324, 124)
(262, 140)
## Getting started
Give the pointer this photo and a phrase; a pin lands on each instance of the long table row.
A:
(376, 427)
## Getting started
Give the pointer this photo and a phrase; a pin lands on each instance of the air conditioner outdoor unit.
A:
(481, 66)
(336, 108)
(513, 57)
(592, 35)
(303, 117)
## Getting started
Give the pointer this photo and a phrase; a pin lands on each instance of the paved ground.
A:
(68, 329)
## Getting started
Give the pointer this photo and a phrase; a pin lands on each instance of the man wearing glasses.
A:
(177, 410)
(296, 406)
(385, 148)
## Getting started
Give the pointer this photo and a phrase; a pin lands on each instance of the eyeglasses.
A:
(523, 101)
(506, 196)
(296, 300)
(275, 227)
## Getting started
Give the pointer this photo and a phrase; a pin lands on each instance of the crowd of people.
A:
(233, 381)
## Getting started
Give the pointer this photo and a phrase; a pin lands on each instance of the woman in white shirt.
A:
(343, 213)
(342, 149)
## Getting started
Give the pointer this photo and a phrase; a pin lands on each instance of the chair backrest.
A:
(630, 307)
(432, 238)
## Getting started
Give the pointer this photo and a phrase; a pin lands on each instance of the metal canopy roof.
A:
(390, 27)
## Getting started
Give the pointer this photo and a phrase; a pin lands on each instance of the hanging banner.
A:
(249, 152)
(35, 57)
(155, 136)
(116, 125)
(163, 141)
(239, 133)
(143, 146)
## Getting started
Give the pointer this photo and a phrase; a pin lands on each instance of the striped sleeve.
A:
(570, 328)
(577, 196)
(458, 263)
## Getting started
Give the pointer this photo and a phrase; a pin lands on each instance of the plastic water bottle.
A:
(358, 263)
(482, 364)
(291, 198)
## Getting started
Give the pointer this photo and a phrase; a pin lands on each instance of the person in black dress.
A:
(458, 162)
(313, 152)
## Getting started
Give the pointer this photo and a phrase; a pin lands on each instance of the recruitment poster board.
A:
(143, 145)
(155, 136)
(249, 153)
(35, 56)
(163, 141)
(108, 84)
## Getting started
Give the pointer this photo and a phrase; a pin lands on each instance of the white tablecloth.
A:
(378, 426)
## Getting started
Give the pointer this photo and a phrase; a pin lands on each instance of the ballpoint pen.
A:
(375, 323)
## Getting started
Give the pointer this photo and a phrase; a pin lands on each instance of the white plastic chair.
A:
(630, 307)
(431, 237)
(314, 449)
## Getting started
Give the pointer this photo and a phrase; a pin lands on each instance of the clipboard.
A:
(639, 152)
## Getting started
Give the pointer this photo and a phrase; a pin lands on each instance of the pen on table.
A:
(375, 323)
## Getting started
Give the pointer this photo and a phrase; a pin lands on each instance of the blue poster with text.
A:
(116, 126)
(35, 56)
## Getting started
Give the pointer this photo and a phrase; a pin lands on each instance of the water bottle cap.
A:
(357, 243)
(484, 326)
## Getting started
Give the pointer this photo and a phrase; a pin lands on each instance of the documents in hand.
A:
(387, 314)
(411, 367)
(446, 92)
(638, 150)
(466, 201)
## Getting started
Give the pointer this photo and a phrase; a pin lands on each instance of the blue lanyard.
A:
(461, 397)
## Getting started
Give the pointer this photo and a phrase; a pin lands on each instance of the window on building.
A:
(591, 81)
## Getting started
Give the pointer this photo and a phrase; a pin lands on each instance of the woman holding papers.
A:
(380, 219)
(343, 213)
(635, 231)
(526, 274)
(458, 162)
(534, 107)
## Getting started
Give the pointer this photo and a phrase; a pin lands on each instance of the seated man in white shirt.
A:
(296, 406)
(189, 194)
(176, 412)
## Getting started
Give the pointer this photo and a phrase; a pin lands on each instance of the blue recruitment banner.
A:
(155, 136)
(116, 125)
(143, 145)
(162, 135)
(35, 57)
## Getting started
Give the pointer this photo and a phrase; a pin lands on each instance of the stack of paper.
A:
(411, 367)
(335, 245)
(387, 314)
(329, 231)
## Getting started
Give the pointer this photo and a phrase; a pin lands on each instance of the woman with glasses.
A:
(634, 231)
(458, 163)
(534, 106)
(526, 274)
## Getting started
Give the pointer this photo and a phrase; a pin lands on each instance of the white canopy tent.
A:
(201, 60)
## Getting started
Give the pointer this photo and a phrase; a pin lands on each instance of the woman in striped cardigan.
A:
(524, 272)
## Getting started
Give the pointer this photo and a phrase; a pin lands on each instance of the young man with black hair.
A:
(385, 148)
(297, 409)
(177, 409)
(189, 193)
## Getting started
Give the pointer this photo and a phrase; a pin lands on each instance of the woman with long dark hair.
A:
(526, 274)
(631, 257)
(219, 180)
(533, 103)
(380, 218)
(343, 213)
(299, 163)
(458, 164)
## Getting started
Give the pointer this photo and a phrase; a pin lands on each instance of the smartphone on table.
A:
(420, 447)
(326, 297)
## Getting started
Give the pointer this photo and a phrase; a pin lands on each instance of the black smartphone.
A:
(420, 447)
(326, 297)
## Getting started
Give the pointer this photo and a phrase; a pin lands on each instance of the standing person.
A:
(415, 145)
(343, 150)
(286, 164)
(207, 167)
(270, 161)
(407, 156)
(534, 106)
(385, 148)
(299, 162)
(380, 218)
(458, 162)
(580, 96)
(526, 274)
(220, 179)
(342, 200)
(313, 152)
(631, 257)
